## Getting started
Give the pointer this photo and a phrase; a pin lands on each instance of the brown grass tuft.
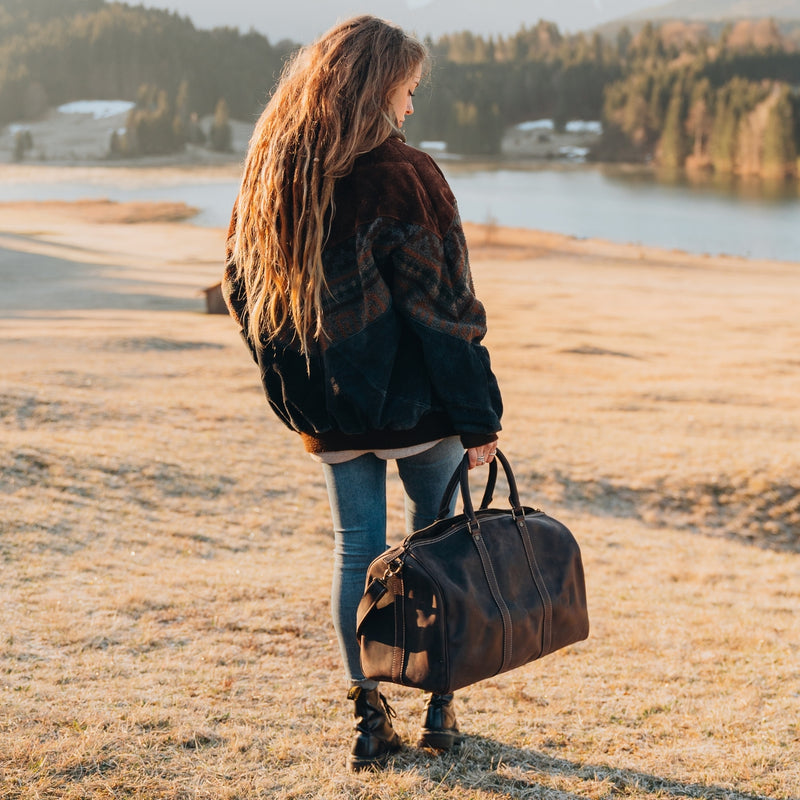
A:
(166, 550)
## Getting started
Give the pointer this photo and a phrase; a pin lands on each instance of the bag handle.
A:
(513, 492)
(447, 496)
(461, 476)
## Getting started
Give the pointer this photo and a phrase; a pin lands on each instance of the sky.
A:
(302, 20)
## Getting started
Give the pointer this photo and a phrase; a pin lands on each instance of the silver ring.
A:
(481, 459)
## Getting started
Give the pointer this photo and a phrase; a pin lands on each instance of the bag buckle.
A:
(393, 567)
(518, 515)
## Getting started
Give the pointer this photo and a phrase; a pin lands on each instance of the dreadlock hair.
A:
(330, 106)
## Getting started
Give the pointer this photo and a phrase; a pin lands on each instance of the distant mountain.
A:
(303, 20)
(713, 10)
(507, 16)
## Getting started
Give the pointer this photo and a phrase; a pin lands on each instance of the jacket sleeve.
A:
(234, 295)
(433, 291)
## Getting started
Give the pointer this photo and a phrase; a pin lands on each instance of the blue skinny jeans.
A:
(357, 494)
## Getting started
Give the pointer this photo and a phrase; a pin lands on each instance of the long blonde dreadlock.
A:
(329, 107)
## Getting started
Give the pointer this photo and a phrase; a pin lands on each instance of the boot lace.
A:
(390, 712)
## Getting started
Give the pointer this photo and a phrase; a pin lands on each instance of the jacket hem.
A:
(430, 427)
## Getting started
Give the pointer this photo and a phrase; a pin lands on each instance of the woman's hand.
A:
(478, 456)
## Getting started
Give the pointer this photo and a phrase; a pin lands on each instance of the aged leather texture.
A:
(472, 596)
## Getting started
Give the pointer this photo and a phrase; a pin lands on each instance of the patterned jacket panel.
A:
(403, 327)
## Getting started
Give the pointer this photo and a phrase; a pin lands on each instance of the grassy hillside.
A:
(166, 546)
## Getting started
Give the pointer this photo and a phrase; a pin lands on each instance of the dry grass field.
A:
(165, 545)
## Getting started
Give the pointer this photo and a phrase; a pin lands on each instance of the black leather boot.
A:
(375, 737)
(440, 730)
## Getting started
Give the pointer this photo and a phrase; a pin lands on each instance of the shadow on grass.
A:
(488, 766)
(48, 283)
(721, 507)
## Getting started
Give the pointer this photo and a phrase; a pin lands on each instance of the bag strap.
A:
(530, 554)
(447, 496)
(497, 596)
(372, 594)
(513, 493)
(491, 482)
(538, 580)
(518, 513)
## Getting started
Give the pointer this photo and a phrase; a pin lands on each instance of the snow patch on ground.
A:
(536, 125)
(573, 126)
(585, 126)
(99, 109)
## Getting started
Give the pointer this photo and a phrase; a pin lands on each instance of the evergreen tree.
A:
(779, 158)
(221, 134)
(182, 117)
(699, 122)
(753, 107)
(462, 132)
(23, 142)
(624, 39)
(150, 126)
(794, 99)
(195, 130)
(724, 134)
(116, 145)
(672, 145)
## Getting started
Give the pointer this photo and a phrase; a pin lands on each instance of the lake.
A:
(624, 205)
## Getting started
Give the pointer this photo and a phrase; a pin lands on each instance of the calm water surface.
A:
(742, 219)
(620, 205)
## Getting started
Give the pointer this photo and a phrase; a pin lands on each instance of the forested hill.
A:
(680, 94)
(56, 51)
(17, 15)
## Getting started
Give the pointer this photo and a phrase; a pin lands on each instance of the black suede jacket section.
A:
(401, 361)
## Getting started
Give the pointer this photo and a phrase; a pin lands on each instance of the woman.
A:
(347, 272)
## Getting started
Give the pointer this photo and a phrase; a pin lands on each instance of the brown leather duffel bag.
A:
(472, 596)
